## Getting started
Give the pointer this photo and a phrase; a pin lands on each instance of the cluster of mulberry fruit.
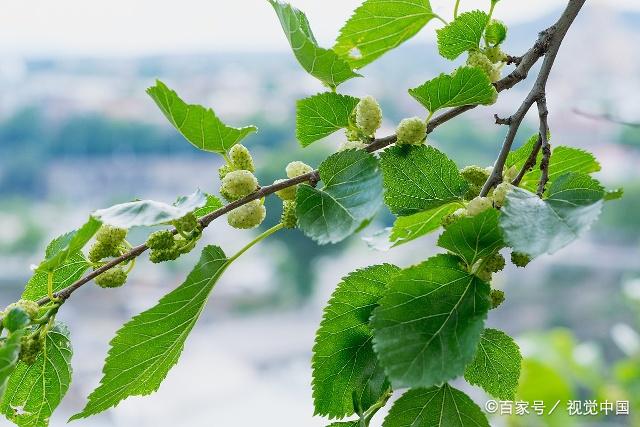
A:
(239, 181)
(110, 243)
(167, 245)
(491, 59)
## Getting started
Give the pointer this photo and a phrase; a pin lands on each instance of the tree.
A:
(386, 328)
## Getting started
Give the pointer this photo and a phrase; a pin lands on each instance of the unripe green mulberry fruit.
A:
(368, 115)
(352, 145)
(249, 215)
(30, 347)
(494, 263)
(496, 32)
(287, 193)
(223, 171)
(162, 239)
(161, 255)
(241, 158)
(187, 223)
(100, 251)
(480, 60)
(237, 184)
(478, 205)
(111, 236)
(30, 307)
(112, 278)
(447, 220)
(411, 131)
(472, 192)
(297, 168)
(475, 175)
(495, 54)
(509, 174)
(520, 259)
(352, 134)
(484, 275)
(500, 193)
(289, 219)
(497, 298)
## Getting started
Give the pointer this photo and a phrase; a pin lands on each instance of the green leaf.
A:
(345, 424)
(408, 228)
(146, 348)
(69, 244)
(465, 86)
(473, 238)
(518, 157)
(70, 270)
(351, 194)
(495, 33)
(462, 34)
(150, 212)
(535, 226)
(321, 115)
(496, 367)
(37, 389)
(428, 324)
(15, 318)
(199, 125)
(613, 194)
(378, 26)
(323, 64)
(212, 204)
(344, 364)
(563, 160)
(9, 353)
(418, 178)
(442, 406)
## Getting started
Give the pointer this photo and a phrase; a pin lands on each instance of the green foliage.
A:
(473, 237)
(496, 32)
(212, 204)
(408, 228)
(378, 26)
(465, 86)
(146, 348)
(67, 245)
(462, 34)
(351, 193)
(150, 212)
(435, 406)
(323, 64)
(37, 389)
(428, 324)
(534, 226)
(496, 367)
(9, 353)
(418, 178)
(321, 115)
(562, 161)
(417, 327)
(199, 125)
(65, 274)
(343, 344)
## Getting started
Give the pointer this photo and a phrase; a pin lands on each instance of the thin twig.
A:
(549, 42)
(547, 45)
(606, 118)
(529, 163)
(543, 114)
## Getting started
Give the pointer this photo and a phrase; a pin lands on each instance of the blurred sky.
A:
(125, 27)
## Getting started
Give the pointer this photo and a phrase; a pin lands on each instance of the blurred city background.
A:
(78, 132)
